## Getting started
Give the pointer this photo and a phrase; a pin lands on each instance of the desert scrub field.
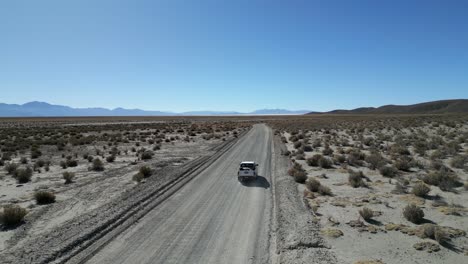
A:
(396, 186)
(52, 170)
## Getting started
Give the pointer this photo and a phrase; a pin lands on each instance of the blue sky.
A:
(238, 55)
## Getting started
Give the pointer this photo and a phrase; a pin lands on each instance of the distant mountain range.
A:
(42, 109)
(434, 107)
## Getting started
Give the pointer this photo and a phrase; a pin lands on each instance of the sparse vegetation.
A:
(44, 197)
(420, 189)
(366, 213)
(97, 165)
(355, 179)
(68, 177)
(413, 213)
(12, 215)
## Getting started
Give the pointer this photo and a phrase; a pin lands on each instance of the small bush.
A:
(339, 159)
(325, 163)
(71, 163)
(97, 165)
(147, 155)
(388, 171)
(44, 197)
(11, 168)
(300, 157)
(312, 184)
(146, 171)
(375, 161)
(428, 230)
(63, 164)
(444, 179)
(327, 151)
(324, 190)
(403, 164)
(138, 177)
(110, 158)
(355, 179)
(420, 189)
(413, 213)
(314, 160)
(441, 235)
(300, 176)
(23, 175)
(459, 161)
(366, 213)
(12, 215)
(68, 177)
(307, 148)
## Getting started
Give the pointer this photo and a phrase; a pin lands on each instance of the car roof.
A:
(247, 162)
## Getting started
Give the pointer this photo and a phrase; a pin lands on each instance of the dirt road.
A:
(212, 219)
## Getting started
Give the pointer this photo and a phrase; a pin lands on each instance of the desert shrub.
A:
(388, 171)
(324, 190)
(307, 148)
(110, 158)
(97, 165)
(44, 197)
(312, 184)
(465, 185)
(11, 168)
(90, 158)
(2, 162)
(339, 159)
(12, 215)
(300, 156)
(68, 177)
(23, 175)
(146, 155)
(459, 161)
(398, 149)
(366, 213)
(63, 164)
(403, 164)
(300, 176)
(146, 171)
(297, 144)
(35, 153)
(420, 147)
(441, 235)
(327, 151)
(39, 163)
(428, 230)
(138, 177)
(420, 189)
(413, 213)
(438, 154)
(71, 163)
(355, 158)
(24, 160)
(445, 180)
(375, 160)
(325, 163)
(355, 179)
(314, 160)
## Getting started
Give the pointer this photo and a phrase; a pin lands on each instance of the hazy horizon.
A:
(240, 56)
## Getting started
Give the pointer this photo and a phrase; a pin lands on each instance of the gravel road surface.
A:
(212, 219)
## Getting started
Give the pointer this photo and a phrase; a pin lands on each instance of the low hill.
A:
(434, 107)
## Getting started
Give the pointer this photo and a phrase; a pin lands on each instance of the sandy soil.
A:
(388, 237)
(91, 190)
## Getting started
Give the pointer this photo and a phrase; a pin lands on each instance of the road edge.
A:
(295, 236)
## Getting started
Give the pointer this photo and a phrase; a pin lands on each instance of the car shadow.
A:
(260, 182)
